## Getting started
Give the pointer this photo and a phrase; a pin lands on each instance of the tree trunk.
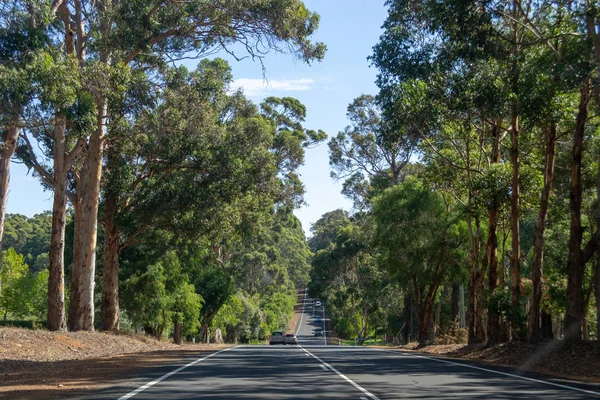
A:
(534, 333)
(75, 271)
(547, 331)
(597, 273)
(479, 291)
(493, 322)
(471, 308)
(455, 307)
(515, 259)
(407, 317)
(474, 318)
(80, 28)
(84, 316)
(574, 311)
(591, 22)
(110, 282)
(584, 316)
(56, 272)
(8, 150)
(491, 253)
(205, 331)
(438, 317)
(597, 295)
(177, 334)
(426, 311)
(480, 305)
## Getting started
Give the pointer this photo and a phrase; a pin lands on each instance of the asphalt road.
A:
(313, 370)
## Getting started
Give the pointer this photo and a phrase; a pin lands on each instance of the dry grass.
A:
(43, 364)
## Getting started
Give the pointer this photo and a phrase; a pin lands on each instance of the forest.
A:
(173, 194)
(475, 177)
(474, 172)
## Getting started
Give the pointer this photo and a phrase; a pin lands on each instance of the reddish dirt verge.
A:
(293, 325)
(36, 364)
(578, 361)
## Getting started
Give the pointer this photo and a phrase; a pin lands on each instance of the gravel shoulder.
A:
(38, 364)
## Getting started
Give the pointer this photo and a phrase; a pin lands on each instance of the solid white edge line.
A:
(497, 372)
(324, 367)
(162, 378)
(301, 315)
(350, 381)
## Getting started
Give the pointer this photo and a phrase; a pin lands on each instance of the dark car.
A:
(290, 338)
(318, 332)
(277, 338)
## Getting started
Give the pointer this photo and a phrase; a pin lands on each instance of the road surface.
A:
(313, 370)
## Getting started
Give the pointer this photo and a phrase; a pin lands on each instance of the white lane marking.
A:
(363, 398)
(324, 367)
(162, 378)
(350, 381)
(499, 373)
(301, 315)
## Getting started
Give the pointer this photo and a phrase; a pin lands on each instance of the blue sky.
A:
(350, 28)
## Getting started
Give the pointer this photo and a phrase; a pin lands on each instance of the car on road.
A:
(318, 319)
(277, 338)
(318, 332)
(317, 303)
(290, 338)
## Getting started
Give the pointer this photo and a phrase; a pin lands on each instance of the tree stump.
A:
(218, 336)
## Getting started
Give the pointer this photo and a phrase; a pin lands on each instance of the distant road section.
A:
(309, 322)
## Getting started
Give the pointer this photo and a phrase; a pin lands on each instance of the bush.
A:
(460, 336)
(28, 324)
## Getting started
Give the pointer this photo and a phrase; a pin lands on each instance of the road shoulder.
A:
(67, 378)
(577, 363)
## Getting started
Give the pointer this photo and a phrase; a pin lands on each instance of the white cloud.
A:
(261, 87)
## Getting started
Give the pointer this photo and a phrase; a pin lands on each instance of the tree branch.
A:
(45, 175)
(72, 155)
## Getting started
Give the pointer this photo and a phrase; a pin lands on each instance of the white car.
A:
(318, 304)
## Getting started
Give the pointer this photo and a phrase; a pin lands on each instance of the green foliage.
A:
(30, 237)
(162, 296)
(23, 294)
(286, 115)
(229, 317)
(325, 230)
(265, 24)
(187, 162)
(365, 154)
(13, 284)
(38, 297)
(278, 308)
(145, 298)
(420, 239)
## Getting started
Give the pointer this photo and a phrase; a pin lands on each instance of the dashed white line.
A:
(350, 381)
(162, 378)
(500, 373)
(324, 367)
